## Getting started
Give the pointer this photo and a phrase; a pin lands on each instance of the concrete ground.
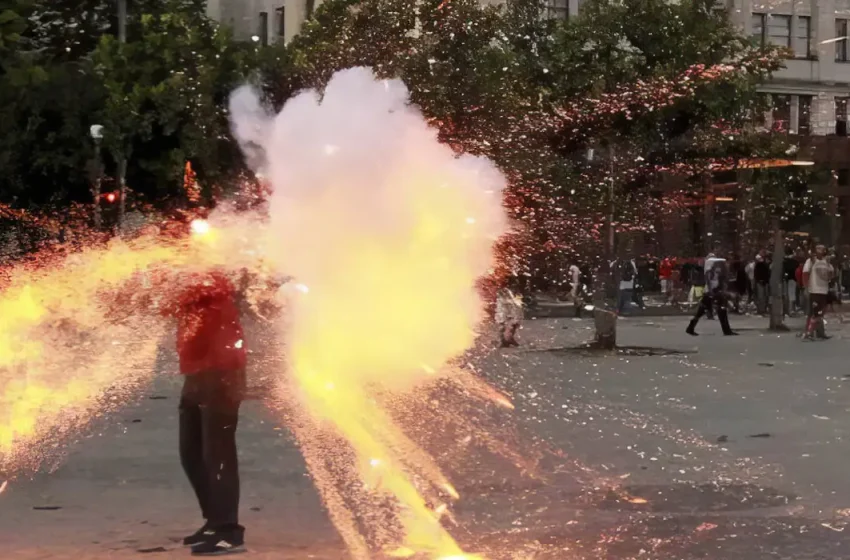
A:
(674, 447)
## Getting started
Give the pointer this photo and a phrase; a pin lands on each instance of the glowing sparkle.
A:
(200, 227)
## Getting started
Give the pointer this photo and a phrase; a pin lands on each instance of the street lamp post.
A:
(96, 131)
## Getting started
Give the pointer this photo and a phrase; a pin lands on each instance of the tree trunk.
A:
(122, 191)
(777, 311)
(95, 193)
(95, 176)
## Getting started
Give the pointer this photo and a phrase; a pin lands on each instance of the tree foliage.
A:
(161, 98)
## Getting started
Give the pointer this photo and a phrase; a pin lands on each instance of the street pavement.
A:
(673, 447)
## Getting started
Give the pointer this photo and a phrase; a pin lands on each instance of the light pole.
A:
(96, 131)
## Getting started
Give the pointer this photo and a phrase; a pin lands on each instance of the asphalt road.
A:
(675, 447)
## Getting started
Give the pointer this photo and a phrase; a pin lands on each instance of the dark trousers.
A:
(817, 307)
(637, 296)
(712, 300)
(209, 413)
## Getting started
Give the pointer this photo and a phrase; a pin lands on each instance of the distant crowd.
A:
(749, 280)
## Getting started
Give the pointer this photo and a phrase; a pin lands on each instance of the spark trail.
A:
(79, 337)
(388, 231)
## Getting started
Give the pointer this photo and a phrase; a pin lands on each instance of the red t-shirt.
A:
(665, 270)
(209, 333)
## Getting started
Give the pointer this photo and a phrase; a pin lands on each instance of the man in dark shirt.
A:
(789, 282)
(761, 276)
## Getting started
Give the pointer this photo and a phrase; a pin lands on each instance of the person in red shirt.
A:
(665, 275)
(211, 348)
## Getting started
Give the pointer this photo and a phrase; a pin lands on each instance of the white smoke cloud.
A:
(250, 120)
(386, 232)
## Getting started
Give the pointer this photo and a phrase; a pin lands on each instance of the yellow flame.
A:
(387, 314)
(64, 342)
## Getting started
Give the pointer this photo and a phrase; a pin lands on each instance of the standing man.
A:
(211, 348)
(761, 276)
(750, 271)
(576, 288)
(665, 276)
(628, 273)
(509, 315)
(714, 296)
(641, 281)
(789, 293)
(817, 274)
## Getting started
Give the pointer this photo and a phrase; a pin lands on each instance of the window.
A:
(804, 115)
(779, 30)
(804, 37)
(757, 28)
(309, 7)
(281, 22)
(781, 112)
(558, 9)
(841, 40)
(264, 29)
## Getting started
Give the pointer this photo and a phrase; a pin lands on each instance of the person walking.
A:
(642, 280)
(212, 356)
(698, 282)
(817, 274)
(714, 297)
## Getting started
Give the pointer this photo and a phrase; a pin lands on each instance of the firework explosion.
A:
(387, 231)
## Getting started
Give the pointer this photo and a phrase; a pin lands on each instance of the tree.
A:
(536, 96)
(776, 197)
(169, 88)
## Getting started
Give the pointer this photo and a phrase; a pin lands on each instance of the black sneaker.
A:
(200, 536)
(219, 547)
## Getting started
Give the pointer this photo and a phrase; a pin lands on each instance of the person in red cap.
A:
(211, 348)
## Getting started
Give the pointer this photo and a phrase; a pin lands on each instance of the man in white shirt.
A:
(817, 274)
(576, 289)
(750, 271)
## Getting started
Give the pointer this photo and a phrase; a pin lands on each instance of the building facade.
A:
(264, 21)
